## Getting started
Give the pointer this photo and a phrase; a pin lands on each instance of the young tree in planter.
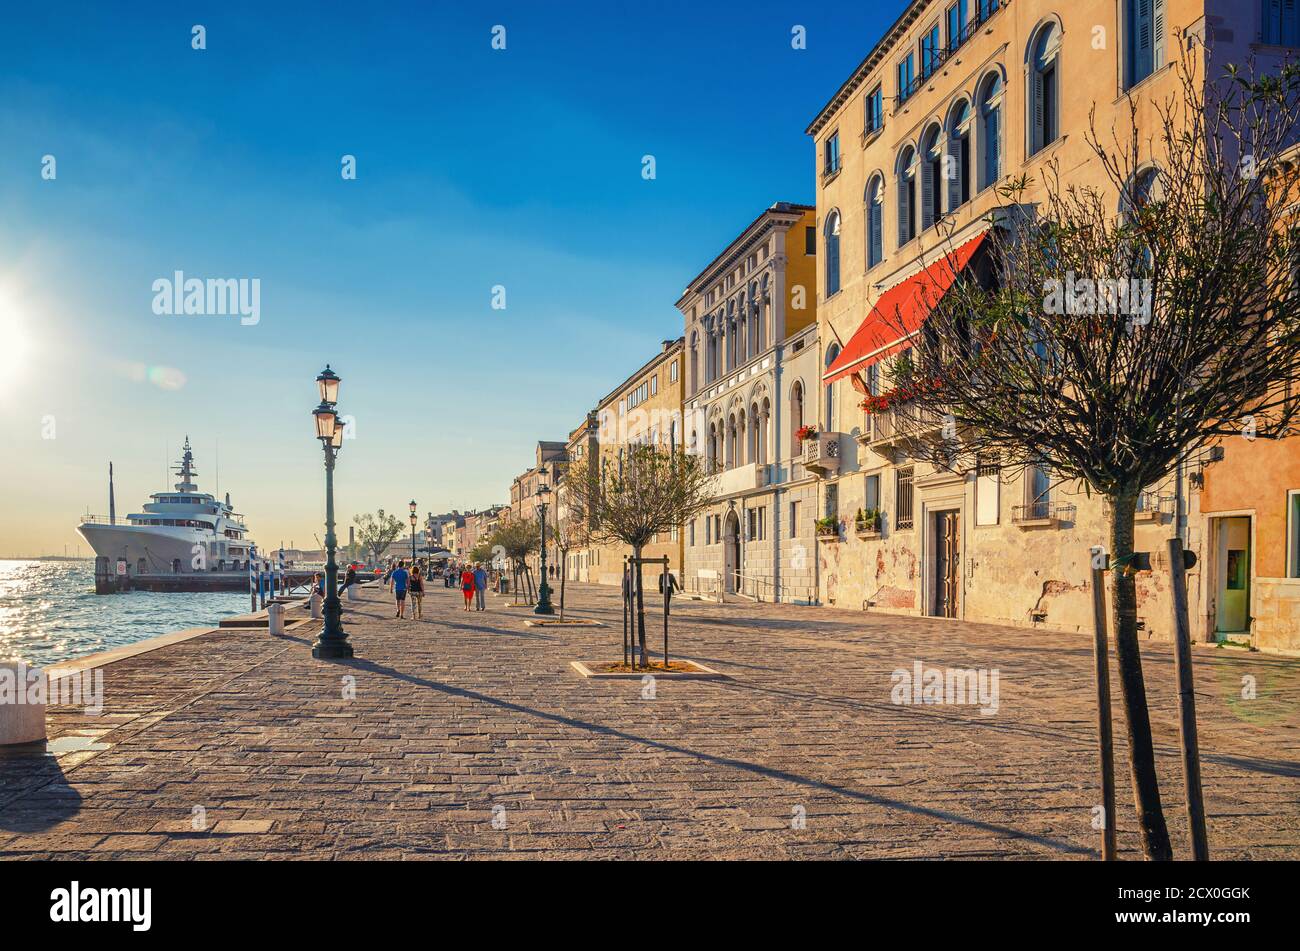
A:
(1123, 331)
(648, 490)
(569, 533)
(376, 532)
(517, 538)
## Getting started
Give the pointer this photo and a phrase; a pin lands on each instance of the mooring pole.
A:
(1187, 702)
(1105, 746)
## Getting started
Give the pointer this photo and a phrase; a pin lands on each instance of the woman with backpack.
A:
(417, 593)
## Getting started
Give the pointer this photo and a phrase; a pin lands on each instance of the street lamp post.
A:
(413, 507)
(332, 642)
(544, 589)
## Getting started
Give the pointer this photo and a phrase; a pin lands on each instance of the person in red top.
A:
(467, 586)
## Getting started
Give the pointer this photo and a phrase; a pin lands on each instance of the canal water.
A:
(49, 612)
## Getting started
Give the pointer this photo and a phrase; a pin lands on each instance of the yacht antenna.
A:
(112, 508)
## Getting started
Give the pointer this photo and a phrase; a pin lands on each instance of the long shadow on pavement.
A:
(731, 763)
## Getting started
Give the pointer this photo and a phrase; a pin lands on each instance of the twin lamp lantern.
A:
(328, 428)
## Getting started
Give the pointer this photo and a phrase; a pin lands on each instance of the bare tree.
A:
(376, 532)
(1119, 333)
(647, 490)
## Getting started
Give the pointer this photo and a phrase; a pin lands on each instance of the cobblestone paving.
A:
(462, 719)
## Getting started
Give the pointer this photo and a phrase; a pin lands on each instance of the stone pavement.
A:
(470, 736)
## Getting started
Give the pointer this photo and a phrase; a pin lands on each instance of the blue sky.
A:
(475, 168)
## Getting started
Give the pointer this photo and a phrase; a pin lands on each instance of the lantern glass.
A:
(412, 507)
(336, 441)
(326, 422)
(328, 383)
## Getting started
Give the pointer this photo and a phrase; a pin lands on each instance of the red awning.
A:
(900, 312)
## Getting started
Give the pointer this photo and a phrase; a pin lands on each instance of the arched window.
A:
(906, 196)
(731, 440)
(832, 253)
(875, 218)
(754, 440)
(957, 166)
(742, 437)
(1044, 87)
(931, 178)
(1144, 36)
(765, 426)
(796, 417)
(990, 130)
(832, 352)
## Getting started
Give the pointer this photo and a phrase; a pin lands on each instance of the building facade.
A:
(751, 355)
(646, 408)
(549, 462)
(955, 100)
(583, 443)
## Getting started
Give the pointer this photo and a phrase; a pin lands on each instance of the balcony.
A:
(1042, 514)
(886, 432)
(748, 477)
(1154, 507)
(821, 454)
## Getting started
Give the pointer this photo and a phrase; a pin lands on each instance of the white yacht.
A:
(177, 533)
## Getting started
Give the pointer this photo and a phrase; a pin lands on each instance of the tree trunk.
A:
(563, 578)
(640, 606)
(1146, 787)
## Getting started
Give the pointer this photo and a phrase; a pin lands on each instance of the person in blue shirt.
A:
(399, 579)
(480, 586)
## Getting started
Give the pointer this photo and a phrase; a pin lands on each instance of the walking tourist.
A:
(417, 593)
(467, 586)
(399, 578)
(480, 586)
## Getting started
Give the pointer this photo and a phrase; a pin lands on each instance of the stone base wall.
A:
(1277, 618)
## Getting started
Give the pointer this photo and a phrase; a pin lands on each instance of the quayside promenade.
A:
(469, 735)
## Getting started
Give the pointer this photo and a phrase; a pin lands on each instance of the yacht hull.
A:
(159, 548)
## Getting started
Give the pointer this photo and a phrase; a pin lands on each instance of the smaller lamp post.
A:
(413, 507)
(543, 590)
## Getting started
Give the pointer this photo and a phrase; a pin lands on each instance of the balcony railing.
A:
(821, 453)
(1042, 512)
(901, 423)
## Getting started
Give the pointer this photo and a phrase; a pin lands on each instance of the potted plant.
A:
(828, 527)
(867, 522)
(806, 431)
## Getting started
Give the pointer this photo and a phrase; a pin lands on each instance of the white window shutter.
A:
(1037, 140)
(993, 146)
(904, 211)
(955, 172)
(876, 213)
(928, 197)
(1158, 40)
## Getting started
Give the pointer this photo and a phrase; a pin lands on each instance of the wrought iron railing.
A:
(1042, 511)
